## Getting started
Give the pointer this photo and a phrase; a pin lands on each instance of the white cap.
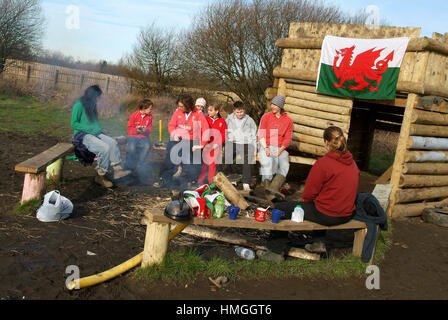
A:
(201, 102)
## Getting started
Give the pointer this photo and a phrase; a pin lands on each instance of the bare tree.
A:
(153, 59)
(21, 29)
(235, 40)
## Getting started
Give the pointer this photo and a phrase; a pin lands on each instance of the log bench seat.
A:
(35, 169)
(158, 227)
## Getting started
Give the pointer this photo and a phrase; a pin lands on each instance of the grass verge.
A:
(185, 265)
(27, 208)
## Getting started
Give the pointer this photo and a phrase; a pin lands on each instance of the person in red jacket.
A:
(188, 128)
(139, 128)
(213, 148)
(330, 189)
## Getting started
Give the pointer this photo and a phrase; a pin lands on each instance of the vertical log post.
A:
(156, 243)
(107, 85)
(402, 150)
(82, 80)
(33, 186)
(28, 73)
(56, 78)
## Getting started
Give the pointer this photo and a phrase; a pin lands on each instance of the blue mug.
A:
(276, 215)
(233, 212)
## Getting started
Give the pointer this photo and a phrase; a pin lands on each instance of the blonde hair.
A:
(336, 139)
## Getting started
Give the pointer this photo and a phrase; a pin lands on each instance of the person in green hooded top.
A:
(88, 131)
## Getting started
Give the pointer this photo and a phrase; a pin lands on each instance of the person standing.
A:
(139, 128)
(274, 136)
(213, 149)
(87, 130)
(241, 141)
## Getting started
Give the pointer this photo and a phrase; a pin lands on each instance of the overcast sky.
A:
(107, 29)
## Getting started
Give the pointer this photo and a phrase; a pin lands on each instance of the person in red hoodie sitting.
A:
(330, 189)
(139, 129)
(188, 128)
(213, 148)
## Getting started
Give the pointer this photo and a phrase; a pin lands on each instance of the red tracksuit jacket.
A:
(192, 128)
(332, 184)
(136, 120)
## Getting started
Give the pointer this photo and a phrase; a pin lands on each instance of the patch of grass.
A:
(185, 265)
(380, 161)
(28, 116)
(28, 208)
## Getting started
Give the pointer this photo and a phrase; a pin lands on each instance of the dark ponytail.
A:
(89, 99)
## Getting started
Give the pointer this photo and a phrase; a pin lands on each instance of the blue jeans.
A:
(105, 147)
(136, 152)
(269, 166)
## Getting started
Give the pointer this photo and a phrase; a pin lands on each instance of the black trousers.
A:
(180, 153)
(277, 241)
(245, 158)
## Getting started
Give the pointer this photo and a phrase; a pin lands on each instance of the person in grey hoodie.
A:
(241, 141)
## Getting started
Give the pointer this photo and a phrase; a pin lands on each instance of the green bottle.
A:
(220, 206)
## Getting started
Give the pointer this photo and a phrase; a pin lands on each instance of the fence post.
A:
(82, 80)
(28, 73)
(107, 85)
(56, 78)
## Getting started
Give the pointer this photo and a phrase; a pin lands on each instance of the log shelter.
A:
(419, 112)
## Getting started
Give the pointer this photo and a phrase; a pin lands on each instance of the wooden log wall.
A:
(422, 178)
(312, 113)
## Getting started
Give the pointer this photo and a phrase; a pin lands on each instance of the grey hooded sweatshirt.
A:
(244, 134)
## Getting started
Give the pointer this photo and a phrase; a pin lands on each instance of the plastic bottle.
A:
(220, 206)
(298, 214)
(245, 253)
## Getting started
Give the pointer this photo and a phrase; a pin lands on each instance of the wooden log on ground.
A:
(230, 192)
(420, 181)
(308, 148)
(415, 209)
(418, 194)
(431, 118)
(426, 156)
(425, 168)
(428, 130)
(308, 131)
(295, 91)
(299, 137)
(385, 176)
(33, 186)
(427, 143)
(315, 113)
(244, 241)
(317, 123)
(320, 106)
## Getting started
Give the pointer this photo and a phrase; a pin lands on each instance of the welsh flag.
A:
(360, 68)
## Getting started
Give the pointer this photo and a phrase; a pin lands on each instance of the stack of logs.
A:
(312, 114)
(424, 179)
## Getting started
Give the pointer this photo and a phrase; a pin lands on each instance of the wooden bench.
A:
(158, 228)
(35, 169)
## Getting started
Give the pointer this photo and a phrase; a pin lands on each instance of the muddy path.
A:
(105, 230)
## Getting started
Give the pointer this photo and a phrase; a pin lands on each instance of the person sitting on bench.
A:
(330, 189)
(138, 144)
(87, 129)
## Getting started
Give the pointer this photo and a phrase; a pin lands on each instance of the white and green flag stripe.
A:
(361, 68)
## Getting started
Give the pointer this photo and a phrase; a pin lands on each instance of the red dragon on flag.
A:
(361, 68)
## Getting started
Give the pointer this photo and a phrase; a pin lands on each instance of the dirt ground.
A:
(34, 255)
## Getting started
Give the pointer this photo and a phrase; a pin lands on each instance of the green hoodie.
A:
(80, 121)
